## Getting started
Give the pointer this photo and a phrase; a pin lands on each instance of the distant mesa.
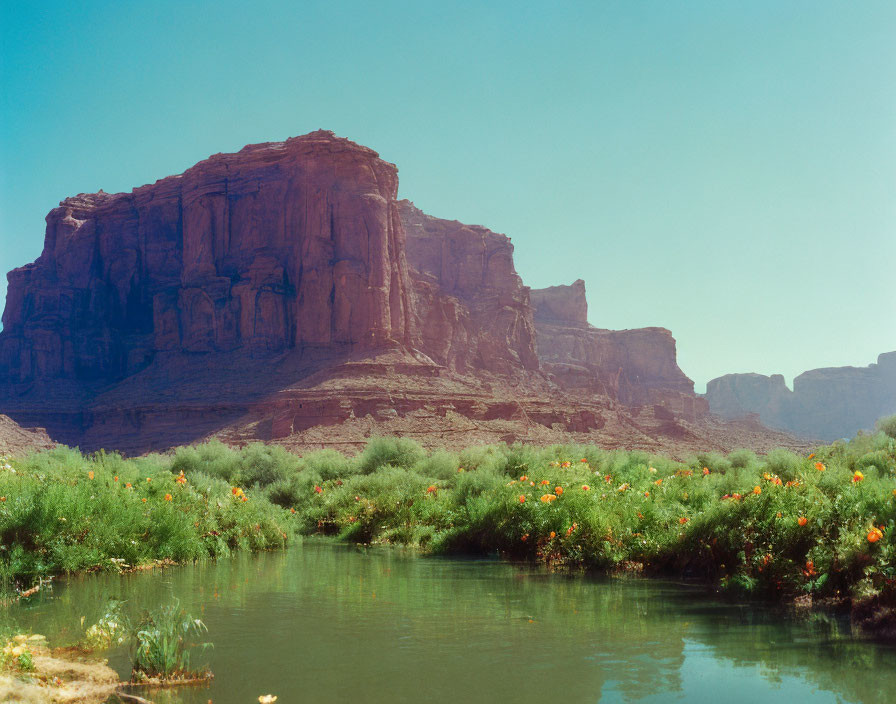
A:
(828, 403)
(284, 293)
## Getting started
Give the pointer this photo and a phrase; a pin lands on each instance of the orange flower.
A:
(128, 486)
(522, 499)
(429, 490)
(553, 535)
(608, 479)
(245, 498)
(875, 534)
(857, 476)
(531, 483)
(810, 569)
(544, 482)
(292, 510)
(646, 493)
(181, 479)
(623, 487)
(802, 520)
(812, 456)
(149, 479)
(584, 459)
(558, 490)
(658, 482)
(779, 514)
(705, 471)
(565, 465)
(524, 478)
(525, 537)
(318, 489)
(90, 474)
(571, 529)
(683, 520)
(236, 491)
(819, 466)
(2, 498)
(167, 497)
(585, 487)
(547, 498)
(143, 500)
(114, 479)
(757, 490)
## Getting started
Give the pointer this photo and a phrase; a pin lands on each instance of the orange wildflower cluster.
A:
(167, 497)
(558, 490)
(566, 465)
(180, 479)
(585, 487)
(875, 534)
(90, 474)
(705, 471)
(547, 498)
(432, 489)
(857, 477)
(319, 489)
(773, 478)
(683, 520)
(757, 490)
(522, 499)
(572, 529)
(544, 482)
(524, 478)
(820, 467)
(802, 521)
(810, 569)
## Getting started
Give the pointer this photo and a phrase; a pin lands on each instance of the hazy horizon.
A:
(724, 172)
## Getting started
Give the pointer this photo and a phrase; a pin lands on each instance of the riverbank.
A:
(787, 527)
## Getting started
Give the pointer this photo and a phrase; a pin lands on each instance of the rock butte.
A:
(828, 404)
(283, 293)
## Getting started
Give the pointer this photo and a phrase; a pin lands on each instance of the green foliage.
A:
(163, 643)
(395, 452)
(779, 524)
(887, 426)
(65, 512)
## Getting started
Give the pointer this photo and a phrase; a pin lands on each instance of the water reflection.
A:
(329, 623)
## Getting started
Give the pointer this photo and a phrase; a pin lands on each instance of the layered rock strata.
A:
(283, 293)
(827, 404)
(637, 367)
(289, 245)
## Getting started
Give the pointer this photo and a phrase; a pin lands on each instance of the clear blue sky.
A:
(723, 169)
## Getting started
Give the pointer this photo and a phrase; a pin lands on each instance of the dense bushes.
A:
(64, 512)
(783, 524)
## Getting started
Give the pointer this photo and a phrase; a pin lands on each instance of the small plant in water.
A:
(112, 628)
(163, 641)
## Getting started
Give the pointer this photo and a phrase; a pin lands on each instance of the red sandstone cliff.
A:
(286, 245)
(282, 293)
(637, 367)
(471, 307)
(828, 403)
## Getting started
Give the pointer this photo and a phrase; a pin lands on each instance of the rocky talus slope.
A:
(283, 293)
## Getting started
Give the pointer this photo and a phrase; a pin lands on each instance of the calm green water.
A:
(332, 623)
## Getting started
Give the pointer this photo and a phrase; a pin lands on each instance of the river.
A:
(326, 622)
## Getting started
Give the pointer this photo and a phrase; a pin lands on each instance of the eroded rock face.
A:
(472, 310)
(267, 293)
(637, 367)
(287, 245)
(827, 403)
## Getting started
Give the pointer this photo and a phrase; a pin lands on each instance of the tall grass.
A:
(783, 524)
(163, 644)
